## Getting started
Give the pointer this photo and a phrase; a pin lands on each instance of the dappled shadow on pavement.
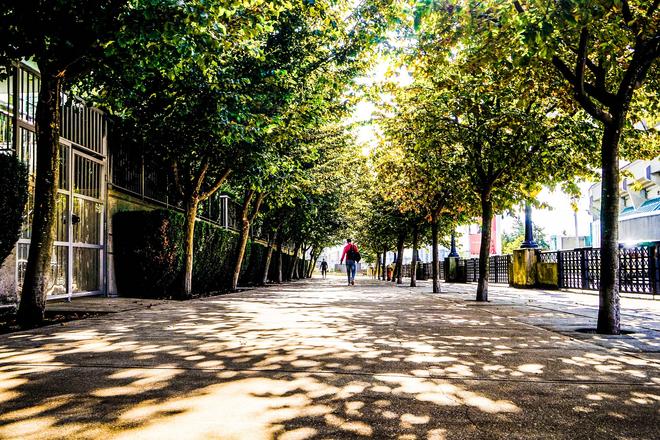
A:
(319, 360)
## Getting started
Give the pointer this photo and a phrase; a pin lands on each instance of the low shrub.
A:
(213, 259)
(253, 271)
(13, 196)
(148, 252)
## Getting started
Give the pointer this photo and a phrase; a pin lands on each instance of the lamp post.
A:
(529, 242)
(452, 252)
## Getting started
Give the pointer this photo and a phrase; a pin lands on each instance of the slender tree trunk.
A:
(294, 263)
(484, 249)
(399, 261)
(377, 274)
(303, 273)
(246, 221)
(269, 255)
(191, 206)
(413, 264)
(37, 272)
(243, 238)
(435, 270)
(608, 311)
(384, 263)
(312, 266)
(279, 260)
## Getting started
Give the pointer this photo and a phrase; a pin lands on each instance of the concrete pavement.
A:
(319, 360)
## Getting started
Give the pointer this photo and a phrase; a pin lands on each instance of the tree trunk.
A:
(377, 274)
(37, 272)
(304, 263)
(399, 261)
(269, 255)
(384, 263)
(484, 249)
(294, 263)
(243, 238)
(413, 263)
(279, 261)
(312, 266)
(188, 245)
(435, 270)
(608, 310)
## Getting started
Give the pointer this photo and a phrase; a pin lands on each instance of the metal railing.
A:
(498, 269)
(638, 269)
(149, 178)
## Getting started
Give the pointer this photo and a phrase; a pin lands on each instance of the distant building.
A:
(566, 242)
(468, 240)
(639, 203)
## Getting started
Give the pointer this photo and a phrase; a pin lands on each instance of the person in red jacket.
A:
(350, 250)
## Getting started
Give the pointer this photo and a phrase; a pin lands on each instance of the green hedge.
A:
(148, 252)
(13, 195)
(148, 255)
(253, 271)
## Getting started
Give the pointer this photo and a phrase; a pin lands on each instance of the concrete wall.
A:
(524, 268)
(526, 271)
(547, 275)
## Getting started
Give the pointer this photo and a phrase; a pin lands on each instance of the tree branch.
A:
(246, 204)
(177, 178)
(199, 181)
(216, 186)
(629, 19)
(257, 205)
(586, 103)
(518, 6)
(581, 61)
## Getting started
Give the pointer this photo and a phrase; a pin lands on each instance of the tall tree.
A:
(430, 174)
(508, 123)
(65, 39)
(607, 52)
(203, 97)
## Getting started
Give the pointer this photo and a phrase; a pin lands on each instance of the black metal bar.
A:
(654, 268)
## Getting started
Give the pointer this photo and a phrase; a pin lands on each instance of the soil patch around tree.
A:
(8, 322)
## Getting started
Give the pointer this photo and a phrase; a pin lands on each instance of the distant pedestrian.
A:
(324, 268)
(352, 257)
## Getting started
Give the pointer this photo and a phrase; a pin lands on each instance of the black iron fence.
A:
(639, 268)
(149, 178)
(468, 269)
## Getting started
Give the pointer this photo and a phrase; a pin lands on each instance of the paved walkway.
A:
(318, 360)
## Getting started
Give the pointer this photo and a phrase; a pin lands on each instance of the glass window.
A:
(6, 112)
(87, 177)
(86, 220)
(86, 270)
(28, 95)
(27, 150)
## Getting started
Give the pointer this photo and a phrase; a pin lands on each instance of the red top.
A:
(346, 249)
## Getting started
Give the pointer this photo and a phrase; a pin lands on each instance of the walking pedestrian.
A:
(352, 257)
(324, 268)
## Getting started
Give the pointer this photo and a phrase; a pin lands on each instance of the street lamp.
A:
(452, 252)
(529, 242)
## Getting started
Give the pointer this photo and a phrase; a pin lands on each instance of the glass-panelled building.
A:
(77, 262)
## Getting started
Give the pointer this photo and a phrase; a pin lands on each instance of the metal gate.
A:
(77, 261)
